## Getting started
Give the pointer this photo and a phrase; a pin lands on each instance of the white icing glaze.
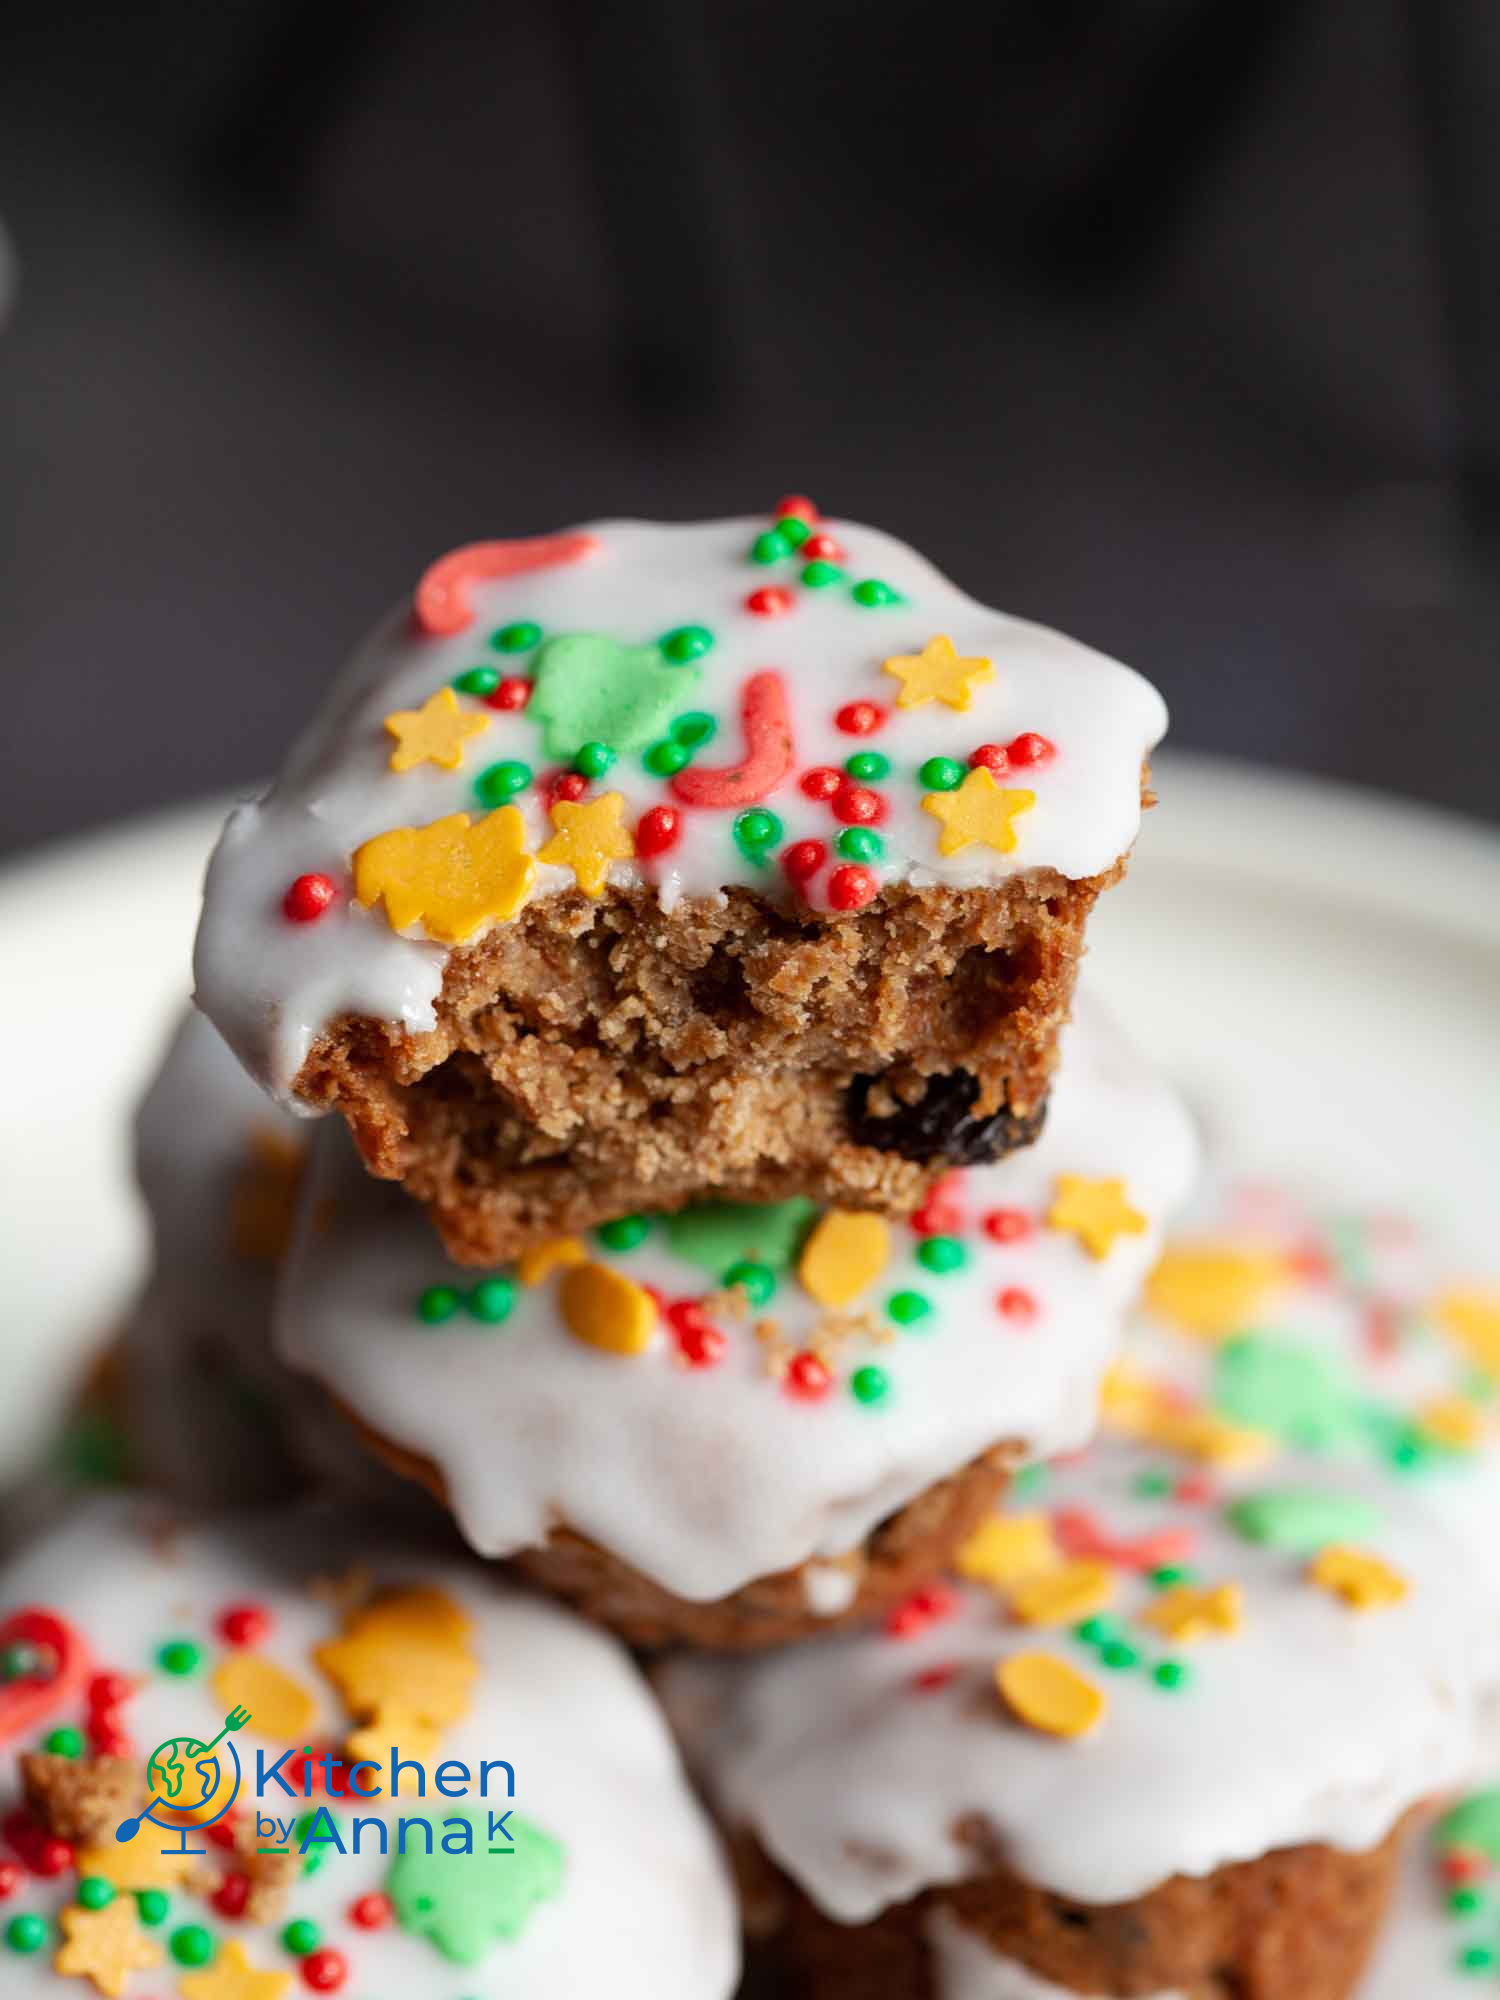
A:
(272, 986)
(557, 1698)
(1311, 1723)
(705, 1479)
(966, 1969)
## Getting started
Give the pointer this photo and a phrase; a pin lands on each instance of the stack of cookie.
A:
(730, 1221)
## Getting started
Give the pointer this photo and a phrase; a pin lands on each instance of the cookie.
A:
(643, 860)
(741, 1424)
(319, 1628)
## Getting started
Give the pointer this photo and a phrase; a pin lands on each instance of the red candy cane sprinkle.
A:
(802, 860)
(860, 718)
(1029, 749)
(991, 757)
(769, 602)
(308, 898)
(512, 693)
(850, 888)
(657, 831)
(807, 1378)
(766, 725)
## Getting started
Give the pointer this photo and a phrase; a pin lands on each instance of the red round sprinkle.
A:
(657, 830)
(932, 1679)
(513, 692)
(106, 1738)
(309, 898)
(325, 1971)
(245, 1624)
(991, 757)
(807, 1377)
(850, 888)
(1007, 1225)
(939, 1215)
(699, 1341)
(231, 1896)
(797, 505)
(10, 1878)
(1017, 1303)
(820, 548)
(1196, 1488)
(1461, 1864)
(802, 860)
(857, 805)
(109, 1690)
(51, 1857)
(923, 1608)
(860, 718)
(770, 601)
(221, 1833)
(566, 786)
(822, 781)
(372, 1912)
(1029, 748)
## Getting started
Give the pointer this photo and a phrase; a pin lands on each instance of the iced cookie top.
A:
(802, 707)
(720, 1395)
(126, 1631)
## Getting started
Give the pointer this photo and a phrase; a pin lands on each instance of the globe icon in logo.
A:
(187, 1776)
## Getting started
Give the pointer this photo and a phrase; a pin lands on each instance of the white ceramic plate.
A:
(1319, 967)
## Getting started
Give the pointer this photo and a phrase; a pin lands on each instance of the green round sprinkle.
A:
(26, 1934)
(941, 774)
(517, 638)
(687, 642)
(1171, 1674)
(1474, 1958)
(694, 729)
(1152, 1485)
(941, 1254)
(94, 1892)
(756, 830)
(870, 1384)
(1464, 1902)
(437, 1303)
(770, 547)
(757, 1281)
(498, 785)
(1119, 1654)
(152, 1905)
(179, 1656)
(65, 1743)
(665, 759)
(1097, 1631)
(626, 1232)
(905, 1307)
(872, 593)
(478, 680)
(491, 1300)
(301, 1936)
(1171, 1574)
(860, 843)
(818, 575)
(867, 766)
(192, 1945)
(792, 531)
(313, 1861)
(593, 760)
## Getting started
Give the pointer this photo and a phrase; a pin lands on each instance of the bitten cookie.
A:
(741, 1425)
(640, 860)
(1162, 1739)
(131, 1637)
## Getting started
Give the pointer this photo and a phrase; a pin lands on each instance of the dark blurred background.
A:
(1174, 324)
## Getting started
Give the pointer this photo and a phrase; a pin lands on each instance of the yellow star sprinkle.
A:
(1047, 1694)
(1473, 1319)
(1189, 1611)
(233, 1977)
(435, 733)
(405, 1668)
(978, 811)
(844, 1254)
(1096, 1212)
(106, 1946)
(1063, 1595)
(588, 838)
(1363, 1581)
(937, 673)
(1212, 1289)
(1007, 1548)
(542, 1259)
(604, 1309)
(451, 877)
